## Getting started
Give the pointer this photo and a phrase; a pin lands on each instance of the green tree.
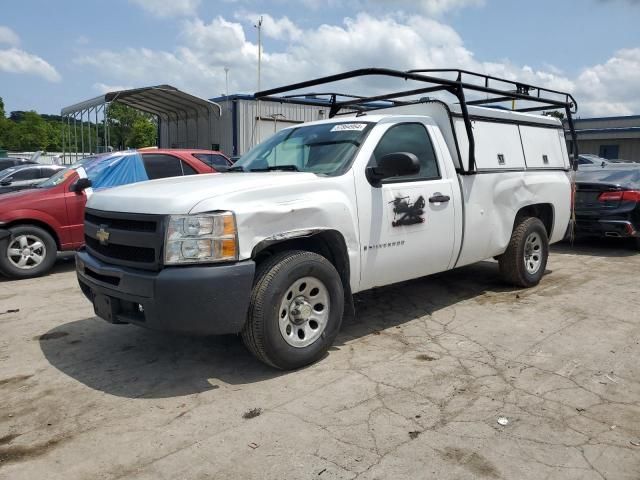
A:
(130, 128)
(6, 127)
(32, 133)
(556, 113)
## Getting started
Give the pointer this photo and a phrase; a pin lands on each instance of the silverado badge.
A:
(102, 235)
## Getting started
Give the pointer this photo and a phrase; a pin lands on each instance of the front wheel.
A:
(296, 309)
(29, 252)
(525, 260)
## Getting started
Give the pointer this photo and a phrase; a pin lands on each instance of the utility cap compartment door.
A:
(542, 147)
(497, 145)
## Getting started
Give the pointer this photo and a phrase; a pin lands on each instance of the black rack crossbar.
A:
(542, 97)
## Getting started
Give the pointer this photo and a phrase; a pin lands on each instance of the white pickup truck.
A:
(394, 190)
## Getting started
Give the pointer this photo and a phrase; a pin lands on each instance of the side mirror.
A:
(5, 183)
(399, 164)
(81, 185)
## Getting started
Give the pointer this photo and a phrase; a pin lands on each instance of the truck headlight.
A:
(210, 237)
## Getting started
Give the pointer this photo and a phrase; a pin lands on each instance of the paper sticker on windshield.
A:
(342, 127)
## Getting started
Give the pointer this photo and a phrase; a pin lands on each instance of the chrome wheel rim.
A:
(304, 312)
(26, 252)
(533, 253)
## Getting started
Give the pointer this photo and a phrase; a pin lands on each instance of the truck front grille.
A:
(122, 223)
(127, 239)
(121, 252)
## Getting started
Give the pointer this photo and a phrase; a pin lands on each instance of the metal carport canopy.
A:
(184, 120)
(158, 100)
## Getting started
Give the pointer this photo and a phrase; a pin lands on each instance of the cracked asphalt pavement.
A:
(413, 388)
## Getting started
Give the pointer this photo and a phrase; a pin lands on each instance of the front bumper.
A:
(200, 300)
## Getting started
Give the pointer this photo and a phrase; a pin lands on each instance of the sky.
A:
(54, 54)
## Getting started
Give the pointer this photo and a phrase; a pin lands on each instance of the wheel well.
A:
(543, 211)
(36, 223)
(328, 243)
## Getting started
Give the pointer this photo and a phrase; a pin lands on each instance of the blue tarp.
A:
(115, 169)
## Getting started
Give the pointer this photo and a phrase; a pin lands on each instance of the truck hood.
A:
(179, 195)
(21, 199)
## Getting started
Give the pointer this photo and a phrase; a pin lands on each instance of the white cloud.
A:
(104, 88)
(14, 60)
(430, 7)
(400, 42)
(169, 8)
(280, 29)
(8, 36)
(612, 88)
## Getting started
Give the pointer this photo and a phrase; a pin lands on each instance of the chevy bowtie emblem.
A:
(102, 235)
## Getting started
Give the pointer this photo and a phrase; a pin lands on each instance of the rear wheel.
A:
(525, 260)
(296, 310)
(29, 252)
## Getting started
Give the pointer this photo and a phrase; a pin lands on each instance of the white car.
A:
(275, 248)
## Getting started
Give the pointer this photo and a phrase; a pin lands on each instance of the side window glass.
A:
(46, 172)
(411, 138)
(161, 166)
(187, 169)
(212, 159)
(29, 174)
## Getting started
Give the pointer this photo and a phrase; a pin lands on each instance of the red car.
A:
(36, 223)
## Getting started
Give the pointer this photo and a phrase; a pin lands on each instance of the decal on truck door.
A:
(407, 213)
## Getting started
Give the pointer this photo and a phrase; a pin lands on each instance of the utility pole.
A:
(259, 27)
(226, 81)
(256, 130)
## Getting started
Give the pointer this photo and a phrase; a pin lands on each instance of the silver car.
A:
(25, 176)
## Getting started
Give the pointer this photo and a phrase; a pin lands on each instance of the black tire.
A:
(274, 277)
(513, 266)
(637, 243)
(11, 270)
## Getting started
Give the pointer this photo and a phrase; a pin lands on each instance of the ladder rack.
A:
(497, 90)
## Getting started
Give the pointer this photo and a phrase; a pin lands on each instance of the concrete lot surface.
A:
(413, 388)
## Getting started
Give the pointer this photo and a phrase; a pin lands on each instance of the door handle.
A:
(439, 199)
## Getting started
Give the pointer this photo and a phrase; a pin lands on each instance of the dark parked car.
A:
(22, 177)
(12, 162)
(608, 202)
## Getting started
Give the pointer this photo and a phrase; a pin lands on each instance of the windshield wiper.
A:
(285, 168)
(237, 168)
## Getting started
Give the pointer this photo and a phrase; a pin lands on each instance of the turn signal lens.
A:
(229, 248)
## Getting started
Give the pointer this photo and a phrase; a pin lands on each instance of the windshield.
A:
(324, 149)
(90, 165)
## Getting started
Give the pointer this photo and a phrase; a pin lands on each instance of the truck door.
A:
(76, 202)
(407, 225)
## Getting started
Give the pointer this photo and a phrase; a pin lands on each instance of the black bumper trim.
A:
(198, 300)
(606, 228)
